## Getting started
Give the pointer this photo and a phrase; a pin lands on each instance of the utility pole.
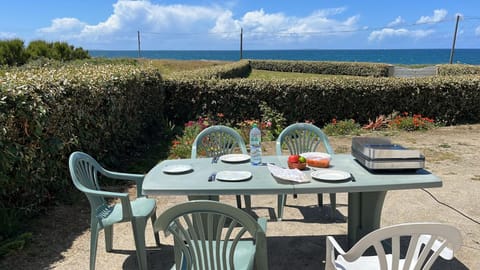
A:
(241, 43)
(454, 39)
(138, 38)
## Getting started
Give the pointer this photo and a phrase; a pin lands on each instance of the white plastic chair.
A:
(427, 242)
(300, 138)
(85, 172)
(215, 141)
(212, 235)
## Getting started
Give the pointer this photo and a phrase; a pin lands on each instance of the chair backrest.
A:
(442, 239)
(84, 171)
(302, 137)
(216, 141)
(208, 234)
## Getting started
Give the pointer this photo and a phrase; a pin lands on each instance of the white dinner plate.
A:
(177, 168)
(235, 158)
(233, 176)
(330, 175)
(315, 155)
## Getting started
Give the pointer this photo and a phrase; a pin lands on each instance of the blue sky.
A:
(267, 24)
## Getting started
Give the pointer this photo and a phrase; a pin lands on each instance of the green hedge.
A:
(105, 110)
(457, 69)
(317, 67)
(240, 69)
(449, 99)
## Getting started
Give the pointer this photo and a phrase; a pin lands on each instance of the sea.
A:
(389, 56)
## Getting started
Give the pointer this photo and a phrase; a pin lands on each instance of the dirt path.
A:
(62, 239)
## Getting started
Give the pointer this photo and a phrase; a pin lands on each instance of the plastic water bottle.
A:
(255, 145)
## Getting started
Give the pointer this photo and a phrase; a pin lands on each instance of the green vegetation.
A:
(14, 53)
(111, 111)
(324, 67)
(342, 127)
(117, 109)
(269, 75)
(458, 69)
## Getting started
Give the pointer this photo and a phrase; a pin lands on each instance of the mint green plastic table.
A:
(366, 193)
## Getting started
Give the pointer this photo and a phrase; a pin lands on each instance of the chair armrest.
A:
(332, 246)
(124, 200)
(103, 193)
(137, 178)
(263, 223)
(124, 176)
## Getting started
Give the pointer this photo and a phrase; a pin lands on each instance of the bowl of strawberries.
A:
(317, 159)
(297, 162)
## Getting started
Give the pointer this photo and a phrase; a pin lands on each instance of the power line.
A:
(287, 32)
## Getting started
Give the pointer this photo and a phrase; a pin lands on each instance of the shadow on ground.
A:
(284, 253)
(68, 222)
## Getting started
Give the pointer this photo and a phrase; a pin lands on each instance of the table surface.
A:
(262, 182)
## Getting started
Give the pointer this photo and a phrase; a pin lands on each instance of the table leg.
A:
(364, 212)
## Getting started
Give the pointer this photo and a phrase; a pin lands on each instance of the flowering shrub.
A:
(182, 144)
(271, 125)
(408, 122)
(342, 127)
(243, 128)
(403, 121)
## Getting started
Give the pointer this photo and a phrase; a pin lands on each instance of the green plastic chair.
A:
(216, 141)
(402, 246)
(212, 235)
(300, 138)
(85, 172)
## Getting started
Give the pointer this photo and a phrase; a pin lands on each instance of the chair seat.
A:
(364, 262)
(244, 256)
(141, 207)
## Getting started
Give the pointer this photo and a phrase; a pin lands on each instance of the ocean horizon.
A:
(388, 56)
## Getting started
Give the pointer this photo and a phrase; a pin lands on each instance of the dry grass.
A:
(167, 66)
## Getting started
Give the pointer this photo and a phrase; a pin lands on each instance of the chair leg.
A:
(320, 200)
(138, 225)
(153, 218)
(239, 201)
(248, 202)
(109, 238)
(282, 198)
(93, 244)
(333, 205)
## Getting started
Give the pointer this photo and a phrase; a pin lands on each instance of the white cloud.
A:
(402, 32)
(477, 31)
(398, 21)
(192, 24)
(63, 25)
(128, 17)
(438, 15)
(258, 23)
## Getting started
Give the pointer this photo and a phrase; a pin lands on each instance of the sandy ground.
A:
(62, 238)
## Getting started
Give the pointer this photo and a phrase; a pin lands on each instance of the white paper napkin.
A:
(294, 175)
